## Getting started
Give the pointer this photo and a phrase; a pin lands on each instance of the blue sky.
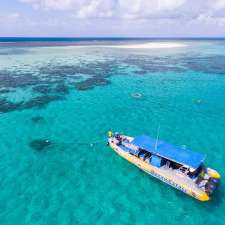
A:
(133, 18)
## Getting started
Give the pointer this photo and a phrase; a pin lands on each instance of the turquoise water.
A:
(71, 96)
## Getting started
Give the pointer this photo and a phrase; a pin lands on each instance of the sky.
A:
(112, 18)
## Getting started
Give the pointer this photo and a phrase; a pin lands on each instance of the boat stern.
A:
(204, 197)
(213, 173)
(213, 181)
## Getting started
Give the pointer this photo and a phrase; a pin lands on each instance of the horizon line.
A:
(121, 37)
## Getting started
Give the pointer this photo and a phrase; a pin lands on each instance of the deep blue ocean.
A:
(58, 99)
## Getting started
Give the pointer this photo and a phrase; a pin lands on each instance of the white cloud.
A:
(143, 8)
(170, 4)
(109, 8)
(53, 4)
(182, 11)
(96, 8)
(9, 17)
(115, 18)
(58, 4)
(213, 14)
(208, 19)
(218, 4)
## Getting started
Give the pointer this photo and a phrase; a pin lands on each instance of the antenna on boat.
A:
(157, 139)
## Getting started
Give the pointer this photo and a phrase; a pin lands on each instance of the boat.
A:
(178, 167)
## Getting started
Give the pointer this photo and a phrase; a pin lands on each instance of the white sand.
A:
(153, 45)
(150, 45)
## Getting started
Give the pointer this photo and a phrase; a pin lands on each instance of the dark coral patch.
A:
(211, 64)
(52, 82)
(37, 119)
(41, 101)
(60, 72)
(3, 91)
(61, 89)
(91, 83)
(9, 79)
(6, 106)
(43, 89)
(146, 64)
(51, 87)
(39, 144)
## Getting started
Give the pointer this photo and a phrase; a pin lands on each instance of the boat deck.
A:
(171, 174)
(166, 169)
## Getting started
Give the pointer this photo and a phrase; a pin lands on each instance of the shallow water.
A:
(78, 93)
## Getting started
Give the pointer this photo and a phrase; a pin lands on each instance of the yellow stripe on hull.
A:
(184, 184)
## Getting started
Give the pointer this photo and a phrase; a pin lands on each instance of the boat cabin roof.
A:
(183, 156)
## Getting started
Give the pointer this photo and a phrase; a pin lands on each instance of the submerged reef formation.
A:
(91, 83)
(39, 144)
(7, 106)
(37, 119)
(212, 64)
(51, 81)
(148, 64)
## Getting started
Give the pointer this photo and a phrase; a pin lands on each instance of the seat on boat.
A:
(147, 155)
(157, 161)
(126, 149)
(167, 164)
(147, 159)
(202, 183)
(141, 155)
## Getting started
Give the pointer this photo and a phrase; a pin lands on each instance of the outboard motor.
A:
(210, 187)
(214, 180)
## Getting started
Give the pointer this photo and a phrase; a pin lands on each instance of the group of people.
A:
(116, 136)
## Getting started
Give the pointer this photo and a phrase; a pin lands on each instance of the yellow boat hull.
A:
(186, 187)
(213, 173)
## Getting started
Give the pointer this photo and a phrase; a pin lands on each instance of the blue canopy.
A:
(168, 151)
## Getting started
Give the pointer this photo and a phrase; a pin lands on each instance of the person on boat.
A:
(192, 172)
(110, 133)
(203, 174)
(118, 138)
